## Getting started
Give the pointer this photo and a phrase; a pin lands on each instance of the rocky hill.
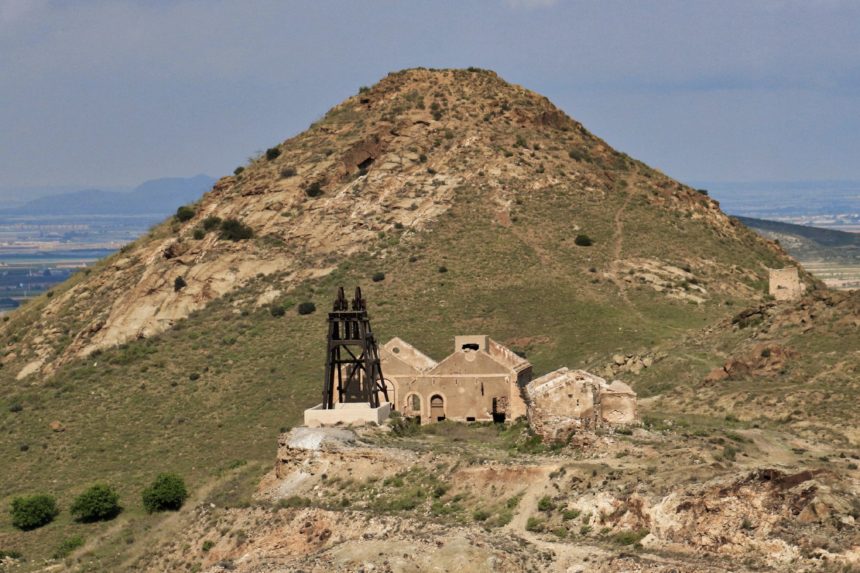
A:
(461, 203)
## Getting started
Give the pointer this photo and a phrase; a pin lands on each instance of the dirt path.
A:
(617, 248)
(568, 556)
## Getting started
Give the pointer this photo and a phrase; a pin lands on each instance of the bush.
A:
(33, 511)
(211, 222)
(207, 545)
(185, 213)
(546, 504)
(167, 492)
(481, 515)
(630, 537)
(10, 555)
(68, 545)
(306, 308)
(179, 284)
(198, 234)
(16, 407)
(377, 277)
(314, 189)
(583, 240)
(288, 172)
(272, 153)
(238, 170)
(443, 269)
(98, 503)
(569, 514)
(277, 310)
(534, 524)
(235, 230)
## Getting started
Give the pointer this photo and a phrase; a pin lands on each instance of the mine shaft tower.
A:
(352, 368)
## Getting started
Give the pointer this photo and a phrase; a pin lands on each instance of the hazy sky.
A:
(98, 92)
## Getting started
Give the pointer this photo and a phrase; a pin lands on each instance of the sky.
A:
(111, 93)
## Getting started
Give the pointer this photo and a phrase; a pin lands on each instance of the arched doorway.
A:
(437, 408)
(412, 406)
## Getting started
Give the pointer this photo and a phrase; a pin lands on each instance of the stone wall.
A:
(785, 284)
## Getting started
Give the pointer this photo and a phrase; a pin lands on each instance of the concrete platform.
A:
(347, 414)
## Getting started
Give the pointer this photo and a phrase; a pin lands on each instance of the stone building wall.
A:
(785, 284)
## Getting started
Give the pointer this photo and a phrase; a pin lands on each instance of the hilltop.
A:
(459, 202)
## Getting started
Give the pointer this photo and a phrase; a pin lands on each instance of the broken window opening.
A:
(470, 418)
(471, 346)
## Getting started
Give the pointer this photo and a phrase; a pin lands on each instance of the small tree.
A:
(98, 503)
(272, 153)
(167, 492)
(306, 308)
(33, 511)
(185, 213)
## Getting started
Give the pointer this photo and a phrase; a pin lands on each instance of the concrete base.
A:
(347, 414)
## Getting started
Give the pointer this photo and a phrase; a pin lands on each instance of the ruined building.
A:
(565, 401)
(480, 381)
(785, 284)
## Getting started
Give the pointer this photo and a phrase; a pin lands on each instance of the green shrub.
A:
(569, 514)
(179, 284)
(534, 524)
(33, 511)
(294, 501)
(235, 230)
(238, 170)
(211, 222)
(288, 172)
(546, 503)
(378, 277)
(185, 213)
(630, 537)
(314, 189)
(583, 240)
(272, 153)
(579, 155)
(277, 310)
(167, 492)
(16, 407)
(306, 308)
(67, 546)
(10, 555)
(98, 503)
(481, 515)
(207, 545)
(198, 234)
(443, 269)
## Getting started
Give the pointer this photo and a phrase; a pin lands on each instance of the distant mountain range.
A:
(154, 197)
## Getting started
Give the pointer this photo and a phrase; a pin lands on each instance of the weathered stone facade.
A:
(785, 284)
(564, 401)
(480, 381)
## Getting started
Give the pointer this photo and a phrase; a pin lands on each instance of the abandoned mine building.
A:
(479, 381)
(483, 380)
